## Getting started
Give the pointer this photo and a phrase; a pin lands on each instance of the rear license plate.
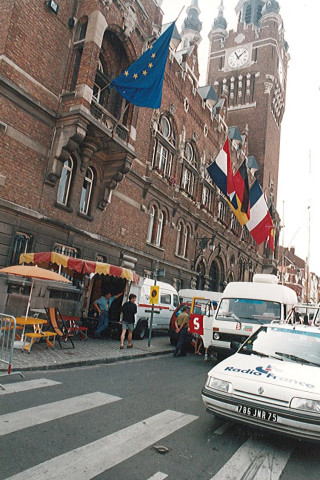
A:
(257, 413)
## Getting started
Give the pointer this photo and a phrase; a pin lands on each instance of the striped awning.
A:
(71, 264)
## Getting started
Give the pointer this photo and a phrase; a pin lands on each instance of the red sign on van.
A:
(196, 323)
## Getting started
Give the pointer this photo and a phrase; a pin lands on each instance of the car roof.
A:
(295, 326)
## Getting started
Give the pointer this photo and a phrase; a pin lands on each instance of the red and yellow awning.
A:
(72, 264)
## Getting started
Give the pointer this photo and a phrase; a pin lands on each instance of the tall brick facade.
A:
(83, 173)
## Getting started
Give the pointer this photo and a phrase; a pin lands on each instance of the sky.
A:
(299, 173)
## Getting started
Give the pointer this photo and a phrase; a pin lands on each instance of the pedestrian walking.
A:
(102, 305)
(181, 325)
(129, 309)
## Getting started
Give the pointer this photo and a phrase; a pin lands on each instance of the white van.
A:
(100, 284)
(187, 294)
(243, 307)
(168, 301)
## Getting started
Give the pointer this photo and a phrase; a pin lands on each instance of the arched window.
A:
(179, 229)
(248, 14)
(164, 148)
(150, 226)
(65, 182)
(189, 170)
(86, 191)
(99, 84)
(186, 236)
(159, 229)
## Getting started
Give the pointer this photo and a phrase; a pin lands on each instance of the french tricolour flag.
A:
(260, 224)
(221, 173)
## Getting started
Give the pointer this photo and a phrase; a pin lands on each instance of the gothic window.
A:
(22, 243)
(164, 148)
(189, 169)
(222, 211)
(86, 191)
(65, 182)
(156, 226)
(183, 238)
(248, 14)
(159, 228)
(78, 49)
(206, 197)
(151, 223)
(99, 84)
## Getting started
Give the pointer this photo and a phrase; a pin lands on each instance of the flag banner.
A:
(241, 185)
(221, 173)
(141, 84)
(260, 224)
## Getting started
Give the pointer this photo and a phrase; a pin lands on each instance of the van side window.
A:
(175, 300)
(165, 298)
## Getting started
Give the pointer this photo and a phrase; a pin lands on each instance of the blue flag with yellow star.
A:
(141, 84)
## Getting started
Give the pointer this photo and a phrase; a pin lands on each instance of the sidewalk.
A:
(90, 352)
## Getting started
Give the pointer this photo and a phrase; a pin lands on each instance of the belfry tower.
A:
(249, 66)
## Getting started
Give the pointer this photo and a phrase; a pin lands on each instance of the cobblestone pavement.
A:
(89, 352)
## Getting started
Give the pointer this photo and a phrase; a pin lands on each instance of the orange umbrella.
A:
(33, 272)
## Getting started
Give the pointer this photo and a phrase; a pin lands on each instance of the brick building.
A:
(84, 174)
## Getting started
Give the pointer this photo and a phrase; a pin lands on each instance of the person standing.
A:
(129, 309)
(102, 305)
(181, 325)
(214, 306)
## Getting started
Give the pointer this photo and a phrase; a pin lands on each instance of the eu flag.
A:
(141, 84)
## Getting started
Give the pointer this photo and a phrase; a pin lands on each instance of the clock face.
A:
(238, 58)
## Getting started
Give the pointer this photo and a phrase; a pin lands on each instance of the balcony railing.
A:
(105, 117)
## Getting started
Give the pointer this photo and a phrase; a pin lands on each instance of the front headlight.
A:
(305, 404)
(217, 384)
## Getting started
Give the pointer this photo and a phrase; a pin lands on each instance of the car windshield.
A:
(300, 346)
(248, 310)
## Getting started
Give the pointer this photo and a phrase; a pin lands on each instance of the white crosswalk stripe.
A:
(255, 460)
(29, 417)
(28, 385)
(94, 458)
(158, 476)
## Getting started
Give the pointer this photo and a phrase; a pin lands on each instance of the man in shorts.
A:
(129, 309)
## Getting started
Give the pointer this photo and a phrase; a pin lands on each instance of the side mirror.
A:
(235, 346)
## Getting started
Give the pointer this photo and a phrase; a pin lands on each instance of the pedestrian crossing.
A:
(254, 460)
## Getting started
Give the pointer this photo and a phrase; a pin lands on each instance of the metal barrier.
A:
(7, 337)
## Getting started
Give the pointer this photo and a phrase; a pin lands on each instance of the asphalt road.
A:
(62, 427)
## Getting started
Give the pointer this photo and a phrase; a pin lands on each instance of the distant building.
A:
(293, 272)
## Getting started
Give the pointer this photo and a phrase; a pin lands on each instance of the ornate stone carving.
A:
(111, 183)
(129, 17)
(67, 141)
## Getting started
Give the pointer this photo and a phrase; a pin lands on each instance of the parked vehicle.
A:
(305, 314)
(168, 301)
(245, 306)
(272, 382)
(187, 294)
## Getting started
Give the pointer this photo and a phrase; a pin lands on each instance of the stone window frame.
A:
(88, 193)
(157, 221)
(63, 192)
(22, 243)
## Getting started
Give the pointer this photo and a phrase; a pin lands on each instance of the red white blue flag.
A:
(260, 224)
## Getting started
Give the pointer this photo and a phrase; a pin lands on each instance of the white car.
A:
(272, 382)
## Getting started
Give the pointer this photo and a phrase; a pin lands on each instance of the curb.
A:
(93, 361)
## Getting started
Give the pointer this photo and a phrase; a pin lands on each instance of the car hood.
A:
(246, 371)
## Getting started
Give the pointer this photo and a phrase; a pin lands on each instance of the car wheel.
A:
(141, 330)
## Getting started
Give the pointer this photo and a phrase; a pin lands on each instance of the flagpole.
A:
(180, 13)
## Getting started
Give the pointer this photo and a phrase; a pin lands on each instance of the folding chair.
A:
(58, 325)
(76, 328)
